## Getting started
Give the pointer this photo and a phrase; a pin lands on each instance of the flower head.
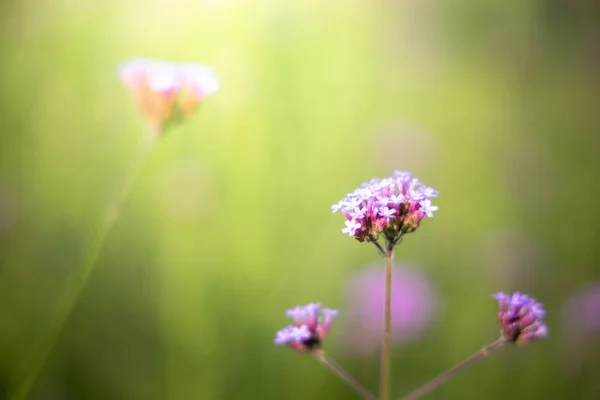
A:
(312, 324)
(520, 317)
(167, 91)
(392, 206)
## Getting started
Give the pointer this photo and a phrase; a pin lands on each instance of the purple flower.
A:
(292, 334)
(520, 317)
(392, 206)
(386, 212)
(351, 227)
(427, 208)
(414, 305)
(312, 324)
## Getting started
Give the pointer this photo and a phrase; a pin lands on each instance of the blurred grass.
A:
(185, 303)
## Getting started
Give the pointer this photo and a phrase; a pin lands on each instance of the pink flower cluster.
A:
(167, 91)
(520, 317)
(392, 206)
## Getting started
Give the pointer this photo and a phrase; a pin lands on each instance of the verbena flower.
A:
(520, 317)
(392, 206)
(312, 324)
(166, 91)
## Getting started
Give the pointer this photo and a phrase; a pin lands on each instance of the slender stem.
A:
(438, 380)
(381, 251)
(386, 348)
(344, 375)
(68, 300)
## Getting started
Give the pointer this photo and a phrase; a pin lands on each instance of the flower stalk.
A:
(66, 304)
(343, 375)
(386, 348)
(443, 377)
(520, 318)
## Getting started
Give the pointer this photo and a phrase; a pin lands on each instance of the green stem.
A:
(443, 377)
(345, 376)
(386, 349)
(376, 243)
(68, 300)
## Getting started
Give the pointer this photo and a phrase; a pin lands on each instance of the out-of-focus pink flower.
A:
(414, 305)
(198, 81)
(581, 313)
(166, 91)
(580, 322)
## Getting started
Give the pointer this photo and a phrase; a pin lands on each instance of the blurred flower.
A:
(582, 310)
(392, 206)
(165, 91)
(581, 328)
(198, 81)
(312, 324)
(520, 317)
(413, 307)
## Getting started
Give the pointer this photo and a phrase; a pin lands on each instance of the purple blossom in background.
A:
(414, 305)
(520, 317)
(312, 324)
(581, 328)
(392, 206)
(581, 312)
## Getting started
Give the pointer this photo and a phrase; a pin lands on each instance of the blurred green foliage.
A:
(229, 223)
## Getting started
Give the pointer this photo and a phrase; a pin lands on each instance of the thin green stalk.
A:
(386, 348)
(345, 376)
(379, 248)
(68, 300)
(443, 377)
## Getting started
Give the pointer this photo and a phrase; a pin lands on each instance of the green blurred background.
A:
(495, 104)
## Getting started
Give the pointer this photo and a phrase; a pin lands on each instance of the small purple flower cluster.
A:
(165, 91)
(392, 206)
(520, 317)
(312, 324)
